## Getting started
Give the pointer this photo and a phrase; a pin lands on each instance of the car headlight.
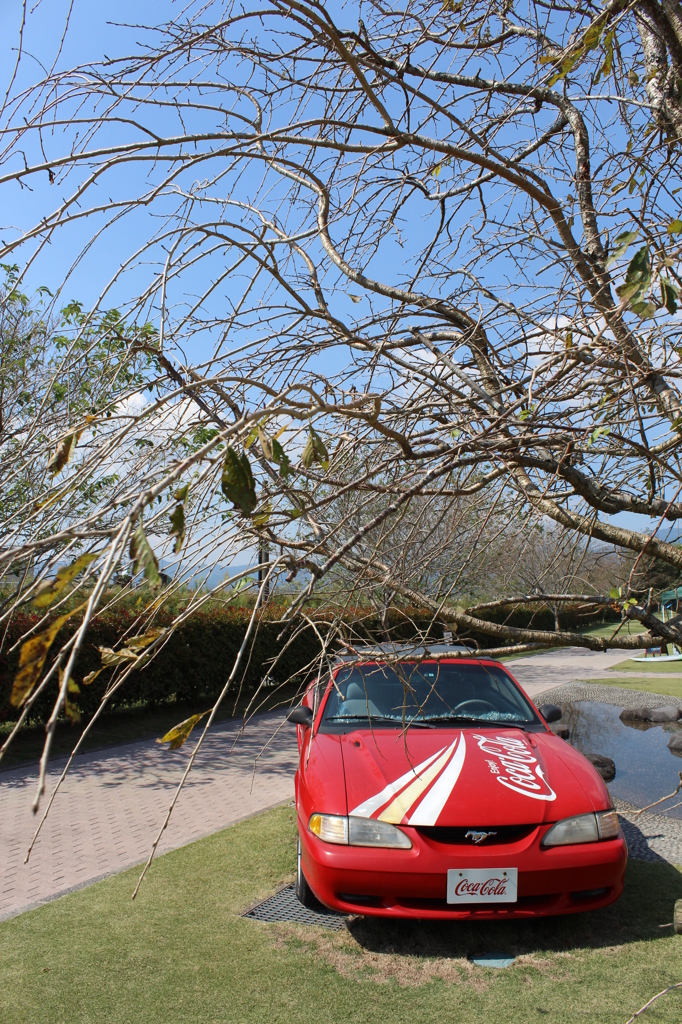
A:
(369, 832)
(607, 824)
(583, 828)
(333, 828)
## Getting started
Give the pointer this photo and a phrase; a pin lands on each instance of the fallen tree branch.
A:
(678, 984)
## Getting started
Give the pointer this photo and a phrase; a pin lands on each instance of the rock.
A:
(639, 725)
(668, 714)
(604, 765)
(635, 715)
(562, 731)
(675, 744)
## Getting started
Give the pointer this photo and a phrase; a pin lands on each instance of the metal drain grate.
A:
(284, 906)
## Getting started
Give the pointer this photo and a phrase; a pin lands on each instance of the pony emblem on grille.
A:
(478, 837)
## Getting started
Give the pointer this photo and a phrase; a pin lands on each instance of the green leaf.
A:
(597, 433)
(569, 340)
(614, 593)
(237, 483)
(621, 243)
(675, 226)
(605, 69)
(262, 517)
(593, 35)
(177, 529)
(243, 584)
(644, 309)
(273, 452)
(308, 455)
(181, 493)
(637, 277)
(669, 293)
(252, 437)
(280, 458)
(48, 591)
(180, 733)
(315, 451)
(143, 558)
(321, 453)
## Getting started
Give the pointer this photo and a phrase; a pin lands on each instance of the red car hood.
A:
(472, 777)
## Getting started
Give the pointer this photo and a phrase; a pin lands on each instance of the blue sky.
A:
(90, 38)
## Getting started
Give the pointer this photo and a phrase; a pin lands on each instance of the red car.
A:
(435, 789)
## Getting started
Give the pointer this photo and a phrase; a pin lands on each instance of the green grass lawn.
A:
(181, 953)
(631, 628)
(650, 665)
(671, 686)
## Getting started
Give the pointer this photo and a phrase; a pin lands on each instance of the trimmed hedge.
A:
(195, 662)
(191, 667)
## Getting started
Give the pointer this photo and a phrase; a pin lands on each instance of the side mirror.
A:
(550, 712)
(302, 715)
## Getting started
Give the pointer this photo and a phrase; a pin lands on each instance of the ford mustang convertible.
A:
(433, 788)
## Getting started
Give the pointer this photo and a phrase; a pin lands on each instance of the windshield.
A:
(426, 692)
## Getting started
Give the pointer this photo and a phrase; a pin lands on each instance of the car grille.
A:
(458, 836)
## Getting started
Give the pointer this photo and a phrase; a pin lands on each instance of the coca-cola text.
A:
(490, 887)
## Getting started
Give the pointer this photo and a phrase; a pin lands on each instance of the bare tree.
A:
(394, 266)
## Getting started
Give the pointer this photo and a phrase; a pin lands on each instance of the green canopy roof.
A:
(670, 595)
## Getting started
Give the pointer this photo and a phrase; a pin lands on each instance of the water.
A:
(645, 769)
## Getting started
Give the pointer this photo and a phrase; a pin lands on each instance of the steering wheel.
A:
(474, 707)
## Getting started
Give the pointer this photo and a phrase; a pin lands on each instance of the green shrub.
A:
(194, 663)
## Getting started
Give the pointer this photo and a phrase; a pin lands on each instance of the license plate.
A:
(479, 885)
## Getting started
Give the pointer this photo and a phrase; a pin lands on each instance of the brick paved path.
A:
(112, 804)
(113, 801)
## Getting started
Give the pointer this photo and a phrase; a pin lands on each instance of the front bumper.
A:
(413, 883)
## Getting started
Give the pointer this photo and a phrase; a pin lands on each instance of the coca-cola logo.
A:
(515, 767)
(489, 887)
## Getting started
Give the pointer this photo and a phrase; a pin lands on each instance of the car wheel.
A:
(305, 894)
(677, 918)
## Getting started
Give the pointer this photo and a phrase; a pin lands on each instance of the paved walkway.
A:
(112, 804)
(113, 801)
(540, 672)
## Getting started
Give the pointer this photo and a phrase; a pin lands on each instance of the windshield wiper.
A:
(379, 718)
(473, 718)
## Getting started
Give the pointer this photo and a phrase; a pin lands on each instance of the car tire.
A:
(306, 896)
(677, 918)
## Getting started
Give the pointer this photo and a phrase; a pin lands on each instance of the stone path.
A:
(652, 837)
(113, 802)
(616, 695)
